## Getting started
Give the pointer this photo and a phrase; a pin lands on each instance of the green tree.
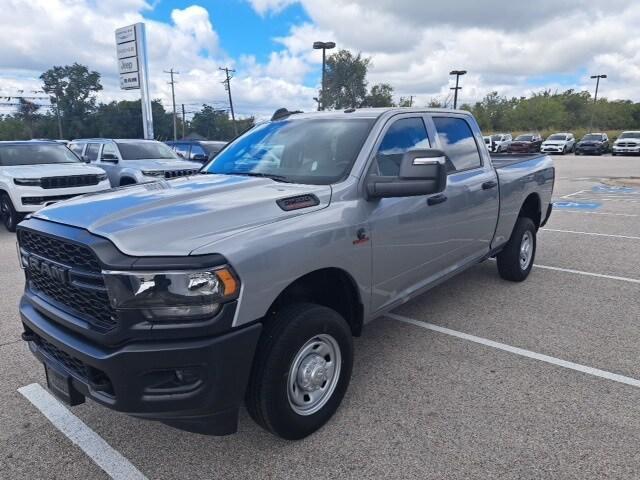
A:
(345, 81)
(72, 91)
(380, 95)
(215, 124)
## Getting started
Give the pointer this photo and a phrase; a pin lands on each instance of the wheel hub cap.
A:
(314, 374)
(526, 250)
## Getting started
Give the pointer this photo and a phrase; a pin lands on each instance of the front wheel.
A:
(9, 215)
(301, 371)
(516, 259)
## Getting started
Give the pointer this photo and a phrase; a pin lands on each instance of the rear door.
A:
(109, 161)
(472, 189)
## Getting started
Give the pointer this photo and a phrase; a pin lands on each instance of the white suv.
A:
(627, 142)
(35, 174)
(564, 142)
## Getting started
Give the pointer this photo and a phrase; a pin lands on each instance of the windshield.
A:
(309, 151)
(496, 138)
(592, 136)
(35, 154)
(487, 139)
(525, 138)
(557, 137)
(146, 151)
(630, 135)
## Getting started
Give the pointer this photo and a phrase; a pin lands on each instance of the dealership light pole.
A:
(595, 97)
(324, 46)
(458, 74)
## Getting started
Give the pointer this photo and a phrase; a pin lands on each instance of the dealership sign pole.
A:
(131, 44)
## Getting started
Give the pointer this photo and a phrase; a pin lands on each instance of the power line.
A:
(227, 86)
(173, 98)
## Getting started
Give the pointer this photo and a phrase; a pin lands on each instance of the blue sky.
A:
(241, 29)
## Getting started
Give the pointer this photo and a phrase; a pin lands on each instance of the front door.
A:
(408, 236)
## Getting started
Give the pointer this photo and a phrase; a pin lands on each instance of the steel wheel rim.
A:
(314, 374)
(526, 250)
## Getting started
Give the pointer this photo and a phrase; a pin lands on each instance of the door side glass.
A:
(92, 151)
(458, 143)
(109, 152)
(403, 135)
(182, 149)
(197, 150)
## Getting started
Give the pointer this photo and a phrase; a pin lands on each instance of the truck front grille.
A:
(69, 181)
(82, 293)
(179, 173)
(71, 254)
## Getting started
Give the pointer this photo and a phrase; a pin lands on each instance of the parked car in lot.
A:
(501, 142)
(559, 143)
(197, 150)
(627, 142)
(133, 161)
(593, 144)
(34, 174)
(527, 143)
(488, 142)
(249, 282)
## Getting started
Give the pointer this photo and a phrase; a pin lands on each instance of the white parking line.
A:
(562, 210)
(589, 233)
(520, 351)
(588, 274)
(108, 459)
(572, 194)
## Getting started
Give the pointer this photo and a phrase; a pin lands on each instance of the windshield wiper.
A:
(272, 176)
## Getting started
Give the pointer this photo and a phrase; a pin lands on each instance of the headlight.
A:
(173, 296)
(101, 177)
(153, 173)
(27, 182)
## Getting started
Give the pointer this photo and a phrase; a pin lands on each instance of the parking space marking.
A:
(589, 233)
(108, 459)
(520, 351)
(588, 274)
(560, 210)
(572, 194)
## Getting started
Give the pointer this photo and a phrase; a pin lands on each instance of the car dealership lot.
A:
(422, 403)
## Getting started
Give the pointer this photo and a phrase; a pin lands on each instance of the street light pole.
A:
(324, 46)
(595, 97)
(457, 73)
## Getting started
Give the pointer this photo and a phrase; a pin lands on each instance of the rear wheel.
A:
(301, 370)
(10, 217)
(516, 259)
(127, 181)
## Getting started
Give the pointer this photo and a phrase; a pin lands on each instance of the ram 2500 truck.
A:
(178, 299)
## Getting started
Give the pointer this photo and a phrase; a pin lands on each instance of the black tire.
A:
(10, 217)
(284, 336)
(509, 264)
(127, 181)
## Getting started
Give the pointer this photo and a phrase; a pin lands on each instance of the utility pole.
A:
(411, 101)
(457, 73)
(183, 121)
(227, 86)
(173, 98)
(595, 97)
(58, 117)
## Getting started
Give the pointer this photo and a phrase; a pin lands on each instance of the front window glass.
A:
(310, 151)
(403, 135)
(35, 154)
(146, 150)
(458, 143)
(630, 135)
(590, 137)
(524, 138)
(557, 137)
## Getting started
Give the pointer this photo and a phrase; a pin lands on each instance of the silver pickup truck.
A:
(178, 299)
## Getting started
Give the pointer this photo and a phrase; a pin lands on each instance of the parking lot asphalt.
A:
(422, 403)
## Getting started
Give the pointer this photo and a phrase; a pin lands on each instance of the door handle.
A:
(437, 199)
(489, 185)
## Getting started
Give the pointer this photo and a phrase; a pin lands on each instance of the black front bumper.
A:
(196, 384)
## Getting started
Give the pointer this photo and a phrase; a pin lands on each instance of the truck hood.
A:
(161, 164)
(173, 218)
(50, 170)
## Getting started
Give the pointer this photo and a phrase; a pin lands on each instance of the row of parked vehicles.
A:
(596, 143)
(35, 174)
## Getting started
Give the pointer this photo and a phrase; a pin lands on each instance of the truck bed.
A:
(501, 160)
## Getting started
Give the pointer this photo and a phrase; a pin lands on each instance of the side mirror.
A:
(85, 159)
(422, 172)
(109, 157)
